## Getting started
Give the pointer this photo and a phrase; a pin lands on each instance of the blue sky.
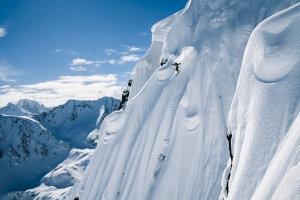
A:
(55, 50)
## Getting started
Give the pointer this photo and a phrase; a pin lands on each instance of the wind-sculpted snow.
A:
(170, 142)
(140, 147)
(150, 62)
(27, 149)
(275, 43)
(263, 117)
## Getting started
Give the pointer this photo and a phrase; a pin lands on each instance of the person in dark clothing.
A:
(76, 198)
(163, 61)
(125, 95)
(176, 67)
(129, 83)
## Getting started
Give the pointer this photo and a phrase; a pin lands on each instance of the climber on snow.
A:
(163, 61)
(125, 95)
(130, 83)
(176, 67)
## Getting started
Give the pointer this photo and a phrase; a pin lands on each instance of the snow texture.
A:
(263, 116)
(171, 140)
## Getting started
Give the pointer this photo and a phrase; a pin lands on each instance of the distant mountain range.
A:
(35, 140)
(24, 107)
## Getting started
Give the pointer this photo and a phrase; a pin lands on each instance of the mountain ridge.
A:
(61, 173)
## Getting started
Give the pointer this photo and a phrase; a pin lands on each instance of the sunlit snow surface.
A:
(263, 116)
(170, 141)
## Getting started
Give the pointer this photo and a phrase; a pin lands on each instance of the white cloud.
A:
(133, 48)
(2, 32)
(57, 50)
(6, 72)
(79, 68)
(136, 49)
(112, 62)
(109, 51)
(57, 92)
(129, 58)
(144, 33)
(79, 61)
(4, 86)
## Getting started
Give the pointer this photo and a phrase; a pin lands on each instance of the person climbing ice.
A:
(177, 67)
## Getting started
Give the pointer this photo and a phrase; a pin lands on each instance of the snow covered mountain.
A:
(225, 127)
(32, 106)
(29, 151)
(12, 109)
(24, 107)
(75, 120)
(55, 175)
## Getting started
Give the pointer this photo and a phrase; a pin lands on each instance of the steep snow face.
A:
(75, 120)
(263, 118)
(170, 141)
(27, 148)
(149, 63)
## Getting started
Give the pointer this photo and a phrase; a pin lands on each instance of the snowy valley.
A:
(39, 150)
